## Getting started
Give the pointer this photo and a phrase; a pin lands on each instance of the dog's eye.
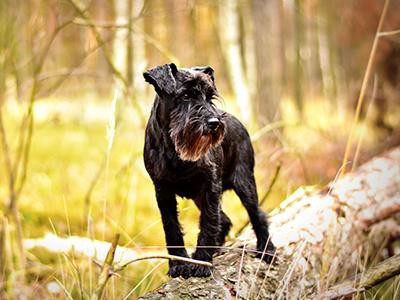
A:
(189, 95)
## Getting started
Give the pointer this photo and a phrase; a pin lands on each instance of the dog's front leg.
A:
(166, 201)
(209, 204)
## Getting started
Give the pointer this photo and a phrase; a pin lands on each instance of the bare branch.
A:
(72, 71)
(105, 272)
(77, 4)
(172, 257)
(78, 7)
(26, 135)
(6, 151)
(132, 27)
(387, 33)
(16, 179)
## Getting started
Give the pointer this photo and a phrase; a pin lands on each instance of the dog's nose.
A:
(213, 123)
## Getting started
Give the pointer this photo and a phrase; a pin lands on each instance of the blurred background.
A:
(73, 108)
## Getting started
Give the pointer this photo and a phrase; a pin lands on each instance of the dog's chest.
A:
(186, 178)
(189, 188)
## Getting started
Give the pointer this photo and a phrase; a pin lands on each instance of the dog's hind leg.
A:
(166, 201)
(245, 187)
(226, 225)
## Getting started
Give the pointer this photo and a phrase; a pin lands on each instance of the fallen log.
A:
(323, 237)
(362, 281)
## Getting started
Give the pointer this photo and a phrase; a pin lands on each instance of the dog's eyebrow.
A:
(191, 82)
(199, 79)
(186, 88)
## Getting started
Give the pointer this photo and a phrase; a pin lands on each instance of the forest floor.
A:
(87, 180)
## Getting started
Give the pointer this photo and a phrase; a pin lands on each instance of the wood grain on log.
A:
(323, 237)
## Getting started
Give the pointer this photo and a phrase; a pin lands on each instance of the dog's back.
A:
(238, 152)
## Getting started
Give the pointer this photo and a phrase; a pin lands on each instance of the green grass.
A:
(68, 147)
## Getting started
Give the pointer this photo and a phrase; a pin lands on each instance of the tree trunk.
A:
(269, 59)
(322, 237)
(298, 65)
(122, 39)
(229, 36)
(328, 50)
(129, 45)
(139, 61)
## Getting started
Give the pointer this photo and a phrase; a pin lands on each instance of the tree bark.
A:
(298, 65)
(230, 43)
(383, 271)
(122, 40)
(269, 58)
(322, 237)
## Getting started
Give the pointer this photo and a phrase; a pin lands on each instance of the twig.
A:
(93, 183)
(104, 25)
(142, 280)
(105, 272)
(111, 25)
(288, 275)
(172, 257)
(361, 135)
(133, 28)
(69, 72)
(26, 137)
(269, 127)
(271, 184)
(6, 151)
(77, 273)
(240, 272)
(25, 141)
(387, 33)
(77, 4)
(83, 13)
(6, 260)
(73, 69)
(65, 290)
(108, 268)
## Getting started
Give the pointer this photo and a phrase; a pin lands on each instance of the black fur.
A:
(194, 150)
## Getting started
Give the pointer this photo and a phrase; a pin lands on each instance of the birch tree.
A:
(229, 37)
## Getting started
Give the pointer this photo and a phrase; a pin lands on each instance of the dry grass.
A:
(69, 145)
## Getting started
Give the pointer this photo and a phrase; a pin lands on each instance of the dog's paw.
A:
(179, 268)
(266, 253)
(187, 270)
(199, 271)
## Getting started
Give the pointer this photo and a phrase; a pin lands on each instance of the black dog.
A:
(194, 150)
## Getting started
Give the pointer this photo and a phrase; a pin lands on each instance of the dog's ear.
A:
(162, 78)
(207, 70)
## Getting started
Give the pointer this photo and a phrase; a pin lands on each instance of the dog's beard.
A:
(192, 139)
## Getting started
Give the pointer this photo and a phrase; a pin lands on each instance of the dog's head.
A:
(186, 107)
